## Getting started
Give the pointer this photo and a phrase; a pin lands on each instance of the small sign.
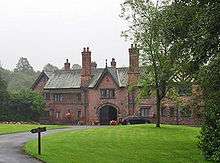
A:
(39, 130)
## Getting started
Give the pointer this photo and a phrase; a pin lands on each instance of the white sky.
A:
(49, 31)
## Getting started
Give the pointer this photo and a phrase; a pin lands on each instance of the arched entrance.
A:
(106, 114)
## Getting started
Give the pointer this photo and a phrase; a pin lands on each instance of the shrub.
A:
(210, 133)
(24, 105)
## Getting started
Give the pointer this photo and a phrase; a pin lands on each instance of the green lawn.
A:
(141, 143)
(13, 128)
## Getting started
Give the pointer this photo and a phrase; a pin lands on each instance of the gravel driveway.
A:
(11, 145)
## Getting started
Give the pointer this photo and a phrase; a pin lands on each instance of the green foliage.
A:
(77, 66)
(49, 67)
(147, 23)
(21, 81)
(24, 66)
(193, 28)
(210, 134)
(132, 144)
(18, 80)
(24, 105)
(3, 90)
(20, 104)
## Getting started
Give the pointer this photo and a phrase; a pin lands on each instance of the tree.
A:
(49, 67)
(210, 133)
(3, 91)
(193, 29)
(76, 66)
(147, 22)
(24, 105)
(21, 81)
(24, 66)
(18, 80)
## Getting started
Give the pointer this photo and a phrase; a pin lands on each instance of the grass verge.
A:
(138, 143)
(14, 128)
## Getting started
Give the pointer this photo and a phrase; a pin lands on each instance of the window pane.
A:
(145, 112)
(107, 93)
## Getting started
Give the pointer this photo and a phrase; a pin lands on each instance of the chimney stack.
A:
(133, 73)
(113, 63)
(86, 66)
(67, 65)
(133, 58)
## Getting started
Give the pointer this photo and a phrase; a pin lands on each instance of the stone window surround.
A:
(107, 93)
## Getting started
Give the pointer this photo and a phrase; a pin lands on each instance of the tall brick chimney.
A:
(113, 63)
(133, 72)
(86, 66)
(67, 65)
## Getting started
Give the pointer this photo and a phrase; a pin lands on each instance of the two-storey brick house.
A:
(97, 95)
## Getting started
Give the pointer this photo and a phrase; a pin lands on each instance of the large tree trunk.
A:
(158, 101)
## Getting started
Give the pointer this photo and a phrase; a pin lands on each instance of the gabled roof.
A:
(42, 74)
(48, 73)
(61, 79)
(107, 70)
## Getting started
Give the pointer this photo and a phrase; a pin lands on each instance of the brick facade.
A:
(99, 89)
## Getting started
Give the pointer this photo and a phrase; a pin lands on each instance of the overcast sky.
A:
(49, 31)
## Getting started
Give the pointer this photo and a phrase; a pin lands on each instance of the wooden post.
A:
(38, 131)
(39, 143)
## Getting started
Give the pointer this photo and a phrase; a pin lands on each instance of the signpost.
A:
(39, 130)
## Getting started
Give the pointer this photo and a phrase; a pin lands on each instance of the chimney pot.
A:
(106, 63)
(67, 65)
(113, 63)
(93, 65)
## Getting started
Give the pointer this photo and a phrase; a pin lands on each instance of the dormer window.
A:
(107, 93)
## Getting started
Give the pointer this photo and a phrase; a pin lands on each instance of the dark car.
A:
(135, 120)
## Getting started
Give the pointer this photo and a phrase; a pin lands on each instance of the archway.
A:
(106, 114)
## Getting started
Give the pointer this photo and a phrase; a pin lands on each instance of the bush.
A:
(24, 105)
(210, 133)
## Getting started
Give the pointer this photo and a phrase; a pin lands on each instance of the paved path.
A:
(11, 145)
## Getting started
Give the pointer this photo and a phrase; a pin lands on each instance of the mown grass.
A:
(139, 143)
(14, 128)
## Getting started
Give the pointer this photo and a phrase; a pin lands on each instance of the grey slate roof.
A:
(49, 73)
(71, 79)
(122, 74)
